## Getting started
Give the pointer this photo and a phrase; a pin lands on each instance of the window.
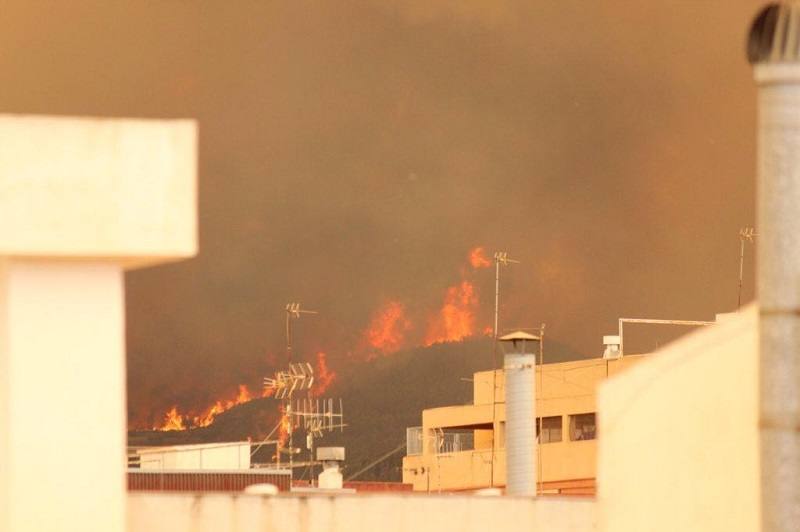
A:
(550, 427)
(582, 427)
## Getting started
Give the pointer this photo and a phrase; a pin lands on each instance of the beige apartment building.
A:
(455, 448)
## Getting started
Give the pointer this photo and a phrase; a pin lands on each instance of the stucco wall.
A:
(367, 513)
(679, 444)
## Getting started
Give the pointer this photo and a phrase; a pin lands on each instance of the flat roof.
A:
(189, 447)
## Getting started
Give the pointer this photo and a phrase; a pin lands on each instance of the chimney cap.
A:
(773, 34)
(611, 339)
(518, 335)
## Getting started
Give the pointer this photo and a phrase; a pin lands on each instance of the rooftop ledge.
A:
(355, 513)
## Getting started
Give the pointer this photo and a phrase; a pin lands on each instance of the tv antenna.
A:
(500, 258)
(746, 234)
(293, 311)
(285, 383)
(318, 416)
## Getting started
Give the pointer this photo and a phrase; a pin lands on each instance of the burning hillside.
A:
(390, 330)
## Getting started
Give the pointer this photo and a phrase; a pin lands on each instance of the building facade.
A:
(462, 447)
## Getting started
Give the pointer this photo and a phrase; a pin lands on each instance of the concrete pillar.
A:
(81, 200)
(773, 47)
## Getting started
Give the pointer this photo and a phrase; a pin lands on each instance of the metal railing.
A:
(454, 442)
(413, 441)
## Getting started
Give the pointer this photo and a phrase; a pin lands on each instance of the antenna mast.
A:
(745, 234)
(500, 257)
(293, 310)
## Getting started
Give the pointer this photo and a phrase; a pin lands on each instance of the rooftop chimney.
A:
(773, 49)
(612, 347)
(520, 373)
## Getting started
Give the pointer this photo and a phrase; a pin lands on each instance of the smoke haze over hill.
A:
(353, 153)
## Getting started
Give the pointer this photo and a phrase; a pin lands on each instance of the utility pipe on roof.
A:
(519, 367)
(774, 51)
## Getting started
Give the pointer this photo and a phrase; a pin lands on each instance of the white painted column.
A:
(80, 201)
(62, 361)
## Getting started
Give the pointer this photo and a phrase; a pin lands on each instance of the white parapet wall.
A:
(356, 513)
(678, 435)
(214, 456)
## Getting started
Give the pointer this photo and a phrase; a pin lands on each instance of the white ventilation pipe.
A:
(331, 476)
(774, 50)
(520, 376)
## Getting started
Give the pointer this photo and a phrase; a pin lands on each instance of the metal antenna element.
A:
(500, 257)
(318, 416)
(293, 310)
(746, 234)
(285, 383)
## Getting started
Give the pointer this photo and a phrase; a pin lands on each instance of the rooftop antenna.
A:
(746, 234)
(283, 385)
(500, 258)
(293, 310)
(318, 416)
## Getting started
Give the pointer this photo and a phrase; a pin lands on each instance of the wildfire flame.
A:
(173, 420)
(323, 376)
(387, 333)
(284, 427)
(387, 328)
(477, 258)
(456, 319)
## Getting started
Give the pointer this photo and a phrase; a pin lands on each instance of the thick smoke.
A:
(352, 153)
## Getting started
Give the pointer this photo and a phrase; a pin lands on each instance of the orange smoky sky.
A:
(352, 153)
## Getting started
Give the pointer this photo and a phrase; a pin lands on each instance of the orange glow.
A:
(207, 417)
(323, 376)
(284, 428)
(244, 395)
(173, 420)
(488, 331)
(456, 319)
(477, 258)
(387, 328)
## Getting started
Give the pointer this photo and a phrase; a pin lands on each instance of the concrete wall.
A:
(367, 513)
(220, 457)
(98, 188)
(679, 443)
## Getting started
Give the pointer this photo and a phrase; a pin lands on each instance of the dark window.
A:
(582, 427)
(550, 429)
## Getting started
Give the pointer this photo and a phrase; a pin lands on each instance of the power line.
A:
(376, 462)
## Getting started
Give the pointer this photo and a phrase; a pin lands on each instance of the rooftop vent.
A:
(612, 347)
(775, 35)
